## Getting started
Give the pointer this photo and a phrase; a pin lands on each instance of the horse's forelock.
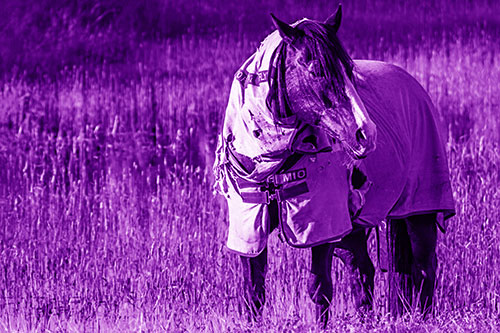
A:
(323, 43)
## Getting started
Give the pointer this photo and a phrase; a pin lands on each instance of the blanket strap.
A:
(273, 188)
(291, 192)
(245, 78)
(265, 197)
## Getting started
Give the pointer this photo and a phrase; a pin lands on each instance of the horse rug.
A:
(408, 169)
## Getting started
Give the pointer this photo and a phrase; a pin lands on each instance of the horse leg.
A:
(401, 259)
(255, 270)
(320, 286)
(353, 252)
(254, 276)
(413, 249)
(422, 231)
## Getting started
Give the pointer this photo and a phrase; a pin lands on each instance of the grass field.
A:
(107, 219)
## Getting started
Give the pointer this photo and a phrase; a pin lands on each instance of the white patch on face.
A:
(358, 107)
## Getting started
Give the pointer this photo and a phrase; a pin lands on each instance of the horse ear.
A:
(334, 19)
(287, 32)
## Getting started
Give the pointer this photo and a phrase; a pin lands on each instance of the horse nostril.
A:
(360, 135)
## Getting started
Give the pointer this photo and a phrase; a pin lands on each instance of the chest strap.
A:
(265, 195)
(275, 187)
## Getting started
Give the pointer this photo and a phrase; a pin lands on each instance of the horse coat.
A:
(313, 203)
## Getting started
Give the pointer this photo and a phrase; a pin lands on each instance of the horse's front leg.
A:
(320, 286)
(254, 279)
(353, 252)
(255, 270)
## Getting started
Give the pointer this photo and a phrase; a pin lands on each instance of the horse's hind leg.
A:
(422, 231)
(320, 286)
(254, 276)
(353, 252)
(413, 249)
(400, 291)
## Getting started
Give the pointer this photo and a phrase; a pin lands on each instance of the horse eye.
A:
(328, 103)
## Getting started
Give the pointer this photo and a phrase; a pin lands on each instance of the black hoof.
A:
(322, 315)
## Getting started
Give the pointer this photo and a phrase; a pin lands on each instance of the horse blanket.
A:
(408, 169)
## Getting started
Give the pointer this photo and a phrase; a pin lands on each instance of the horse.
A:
(321, 147)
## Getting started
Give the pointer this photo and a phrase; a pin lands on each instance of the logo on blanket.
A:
(288, 177)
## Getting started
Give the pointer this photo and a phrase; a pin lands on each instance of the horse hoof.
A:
(322, 315)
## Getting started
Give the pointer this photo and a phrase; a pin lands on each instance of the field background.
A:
(108, 116)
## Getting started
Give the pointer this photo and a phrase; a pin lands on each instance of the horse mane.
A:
(322, 43)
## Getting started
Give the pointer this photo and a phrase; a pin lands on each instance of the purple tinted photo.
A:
(267, 166)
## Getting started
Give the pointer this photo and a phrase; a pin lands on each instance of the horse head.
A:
(318, 79)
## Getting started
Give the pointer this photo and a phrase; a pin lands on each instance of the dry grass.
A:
(108, 222)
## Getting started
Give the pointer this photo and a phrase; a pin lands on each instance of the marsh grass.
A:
(108, 222)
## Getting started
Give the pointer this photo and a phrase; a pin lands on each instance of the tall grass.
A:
(108, 222)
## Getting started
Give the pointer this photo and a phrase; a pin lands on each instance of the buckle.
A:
(241, 76)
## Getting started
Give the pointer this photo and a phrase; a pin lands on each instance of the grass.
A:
(108, 222)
